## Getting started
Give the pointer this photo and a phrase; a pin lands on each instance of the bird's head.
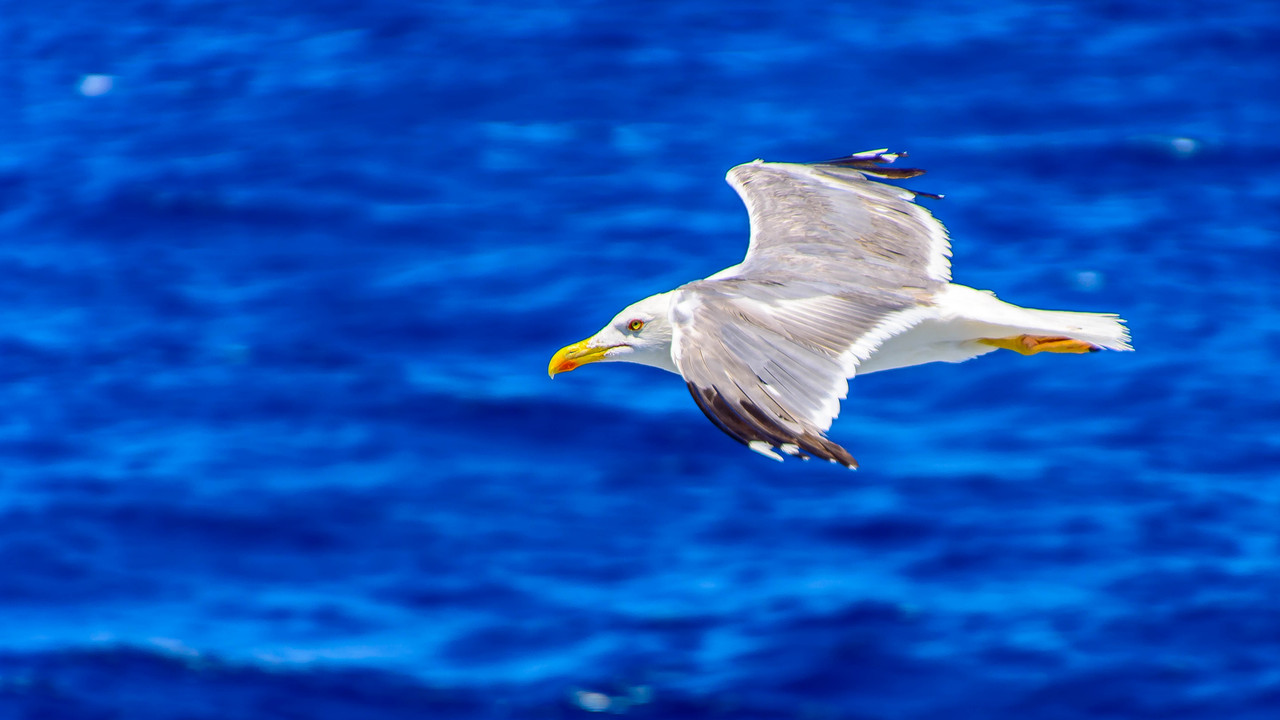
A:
(640, 334)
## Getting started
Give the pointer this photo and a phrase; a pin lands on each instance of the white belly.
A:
(962, 316)
(933, 340)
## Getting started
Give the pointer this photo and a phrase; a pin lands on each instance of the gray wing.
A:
(837, 264)
(828, 219)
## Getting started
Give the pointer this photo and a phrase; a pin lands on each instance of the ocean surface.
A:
(280, 281)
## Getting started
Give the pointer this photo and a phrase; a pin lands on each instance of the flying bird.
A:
(844, 275)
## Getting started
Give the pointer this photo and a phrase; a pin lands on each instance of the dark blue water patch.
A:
(511, 641)
(885, 532)
(119, 681)
(861, 652)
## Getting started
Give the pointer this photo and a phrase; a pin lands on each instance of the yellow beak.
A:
(575, 356)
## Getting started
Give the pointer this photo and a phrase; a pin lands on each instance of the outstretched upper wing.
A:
(828, 219)
(837, 264)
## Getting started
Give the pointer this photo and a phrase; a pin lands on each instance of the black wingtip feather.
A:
(753, 425)
(874, 164)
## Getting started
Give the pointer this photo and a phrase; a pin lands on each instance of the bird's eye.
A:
(635, 325)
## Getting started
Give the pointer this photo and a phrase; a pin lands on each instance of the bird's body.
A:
(844, 275)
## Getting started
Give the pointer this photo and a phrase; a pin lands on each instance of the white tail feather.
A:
(993, 317)
(1102, 329)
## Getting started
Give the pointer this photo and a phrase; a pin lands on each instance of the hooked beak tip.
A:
(574, 356)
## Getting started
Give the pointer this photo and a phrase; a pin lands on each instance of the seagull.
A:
(844, 275)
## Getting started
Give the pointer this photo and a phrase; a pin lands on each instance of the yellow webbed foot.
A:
(1032, 344)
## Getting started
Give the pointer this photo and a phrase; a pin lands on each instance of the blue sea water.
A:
(281, 280)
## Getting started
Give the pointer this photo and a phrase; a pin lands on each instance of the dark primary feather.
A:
(875, 164)
(748, 424)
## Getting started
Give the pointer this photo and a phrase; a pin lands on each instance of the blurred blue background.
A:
(281, 280)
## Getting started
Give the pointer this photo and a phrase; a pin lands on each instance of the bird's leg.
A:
(1032, 344)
